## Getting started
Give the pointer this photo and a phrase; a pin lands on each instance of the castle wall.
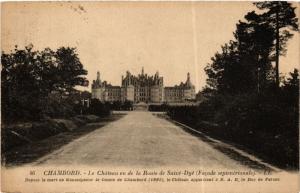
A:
(129, 90)
(97, 93)
(189, 94)
(173, 94)
(154, 94)
(113, 94)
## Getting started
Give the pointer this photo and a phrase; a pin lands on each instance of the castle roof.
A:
(187, 85)
(142, 79)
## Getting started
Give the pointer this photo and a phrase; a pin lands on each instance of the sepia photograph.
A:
(150, 97)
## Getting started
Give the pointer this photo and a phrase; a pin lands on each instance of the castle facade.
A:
(143, 88)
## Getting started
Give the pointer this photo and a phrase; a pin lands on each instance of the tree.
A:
(69, 71)
(291, 88)
(256, 44)
(221, 71)
(20, 84)
(244, 63)
(280, 15)
(28, 77)
(293, 80)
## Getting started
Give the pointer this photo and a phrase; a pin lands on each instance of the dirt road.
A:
(141, 139)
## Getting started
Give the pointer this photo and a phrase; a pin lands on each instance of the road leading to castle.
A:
(141, 139)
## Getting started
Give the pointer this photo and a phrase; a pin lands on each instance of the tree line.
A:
(36, 84)
(245, 63)
(246, 101)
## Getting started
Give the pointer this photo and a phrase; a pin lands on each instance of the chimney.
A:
(188, 76)
(98, 75)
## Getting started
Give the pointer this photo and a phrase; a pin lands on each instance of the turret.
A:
(97, 82)
(188, 83)
(98, 75)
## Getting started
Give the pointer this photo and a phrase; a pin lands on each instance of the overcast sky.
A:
(173, 38)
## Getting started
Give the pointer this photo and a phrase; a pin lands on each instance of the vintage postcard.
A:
(150, 97)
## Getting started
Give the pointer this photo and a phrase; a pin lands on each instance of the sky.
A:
(173, 38)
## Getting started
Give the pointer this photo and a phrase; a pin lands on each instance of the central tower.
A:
(145, 88)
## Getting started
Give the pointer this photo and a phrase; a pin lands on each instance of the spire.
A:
(98, 75)
(188, 81)
(127, 73)
(143, 70)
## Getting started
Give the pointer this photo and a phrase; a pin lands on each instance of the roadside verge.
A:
(231, 150)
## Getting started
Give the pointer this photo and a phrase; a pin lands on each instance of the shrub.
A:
(99, 108)
(267, 124)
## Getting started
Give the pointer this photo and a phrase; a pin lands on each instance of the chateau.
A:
(143, 88)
